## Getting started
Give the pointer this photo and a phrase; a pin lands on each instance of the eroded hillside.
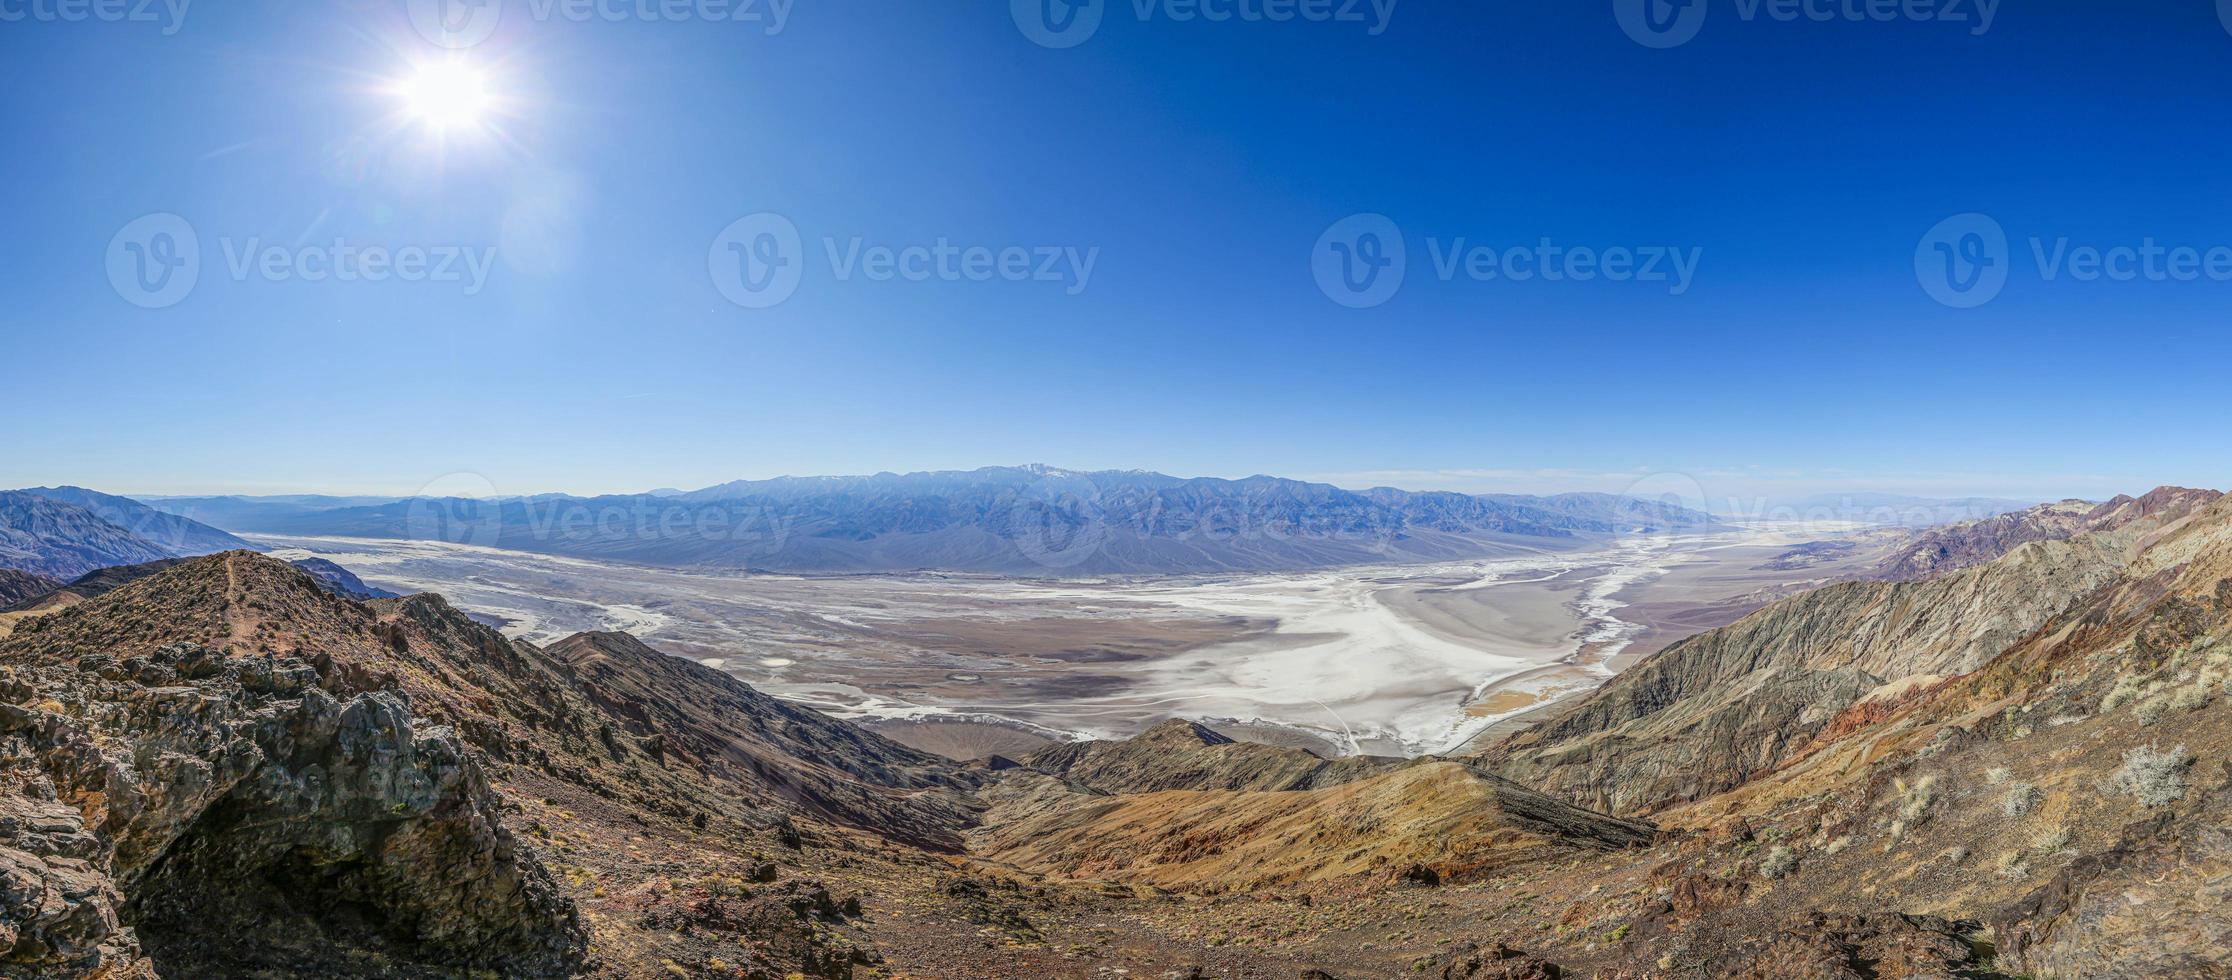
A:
(2016, 768)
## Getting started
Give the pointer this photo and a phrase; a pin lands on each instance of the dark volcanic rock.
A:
(340, 581)
(18, 588)
(1495, 961)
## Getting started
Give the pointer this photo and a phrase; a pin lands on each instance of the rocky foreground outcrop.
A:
(190, 813)
(219, 768)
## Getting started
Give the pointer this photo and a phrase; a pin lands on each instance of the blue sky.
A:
(1800, 162)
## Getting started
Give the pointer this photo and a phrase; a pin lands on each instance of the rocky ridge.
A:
(2012, 768)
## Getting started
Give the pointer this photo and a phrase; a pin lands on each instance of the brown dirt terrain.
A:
(2015, 768)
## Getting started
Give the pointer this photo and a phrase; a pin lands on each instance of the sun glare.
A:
(445, 95)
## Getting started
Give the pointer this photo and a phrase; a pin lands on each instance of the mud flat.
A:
(1389, 660)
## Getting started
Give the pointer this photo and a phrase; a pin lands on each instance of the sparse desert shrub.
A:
(2153, 776)
(1940, 742)
(2192, 697)
(1838, 845)
(1915, 800)
(1912, 806)
(2011, 865)
(2128, 689)
(1779, 862)
(2021, 799)
(2051, 840)
(1956, 855)
(1997, 775)
(2151, 712)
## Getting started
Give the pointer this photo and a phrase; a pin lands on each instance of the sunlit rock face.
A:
(185, 812)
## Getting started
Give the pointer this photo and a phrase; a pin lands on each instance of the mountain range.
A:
(1029, 520)
(2008, 764)
(64, 532)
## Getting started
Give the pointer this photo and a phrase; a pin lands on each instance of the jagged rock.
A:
(790, 929)
(1421, 875)
(1495, 961)
(240, 817)
(1818, 946)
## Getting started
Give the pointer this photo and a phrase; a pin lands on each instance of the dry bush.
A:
(2153, 776)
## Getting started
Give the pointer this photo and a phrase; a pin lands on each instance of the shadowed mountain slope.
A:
(340, 581)
(715, 723)
(174, 535)
(62, 541)
(23, 587)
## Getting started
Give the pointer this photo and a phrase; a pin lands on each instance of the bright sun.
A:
(445, 95)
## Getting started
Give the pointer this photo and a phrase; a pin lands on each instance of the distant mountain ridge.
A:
(1027, 520)
(64, 532)
(178, 535)
(1940, 550)
(62, 541)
